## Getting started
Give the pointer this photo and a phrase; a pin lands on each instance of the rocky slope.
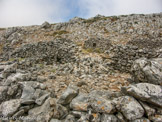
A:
(103, 69)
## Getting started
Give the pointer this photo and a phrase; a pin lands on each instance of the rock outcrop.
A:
(148, 71)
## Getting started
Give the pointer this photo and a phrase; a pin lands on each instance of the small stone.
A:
(19, 113)
(70, 118)
(108, 118)
(55, 120)
(27, 102)
(94, 117)
(78, 114)
(141, 120)
(41, 79)
(81, 83)
(120, 117)
(52, 77)
(43, 86)
(156, 118)
(53, 102)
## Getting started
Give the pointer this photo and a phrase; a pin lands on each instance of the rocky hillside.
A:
(101, 69)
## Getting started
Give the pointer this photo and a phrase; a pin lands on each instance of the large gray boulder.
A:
(145, 70)
(42, 113)
(129, 107)
(8, 108)
(94, 103)
(145, 92)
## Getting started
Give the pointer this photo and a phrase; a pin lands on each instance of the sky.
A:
(35, 12)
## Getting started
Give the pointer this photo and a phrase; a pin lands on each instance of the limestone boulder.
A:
(129, 107)
(145, 92)
(147, 70)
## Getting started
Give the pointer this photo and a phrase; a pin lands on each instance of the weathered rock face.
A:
(8, 108)
(149, 71)
(146, 92)
(129, 107)
(60, 51)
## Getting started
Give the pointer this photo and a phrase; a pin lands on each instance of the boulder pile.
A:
(25, 97)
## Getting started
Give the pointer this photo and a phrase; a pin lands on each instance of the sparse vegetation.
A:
(60, 32)
(41, 65)
(79, 43)
(53, 70)
(21, 59)
(95, 19)
(57, 33)
(11, 59)
(1, 48)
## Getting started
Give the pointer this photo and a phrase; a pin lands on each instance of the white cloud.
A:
(30, 12)
(89, 8)
(137, 6)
